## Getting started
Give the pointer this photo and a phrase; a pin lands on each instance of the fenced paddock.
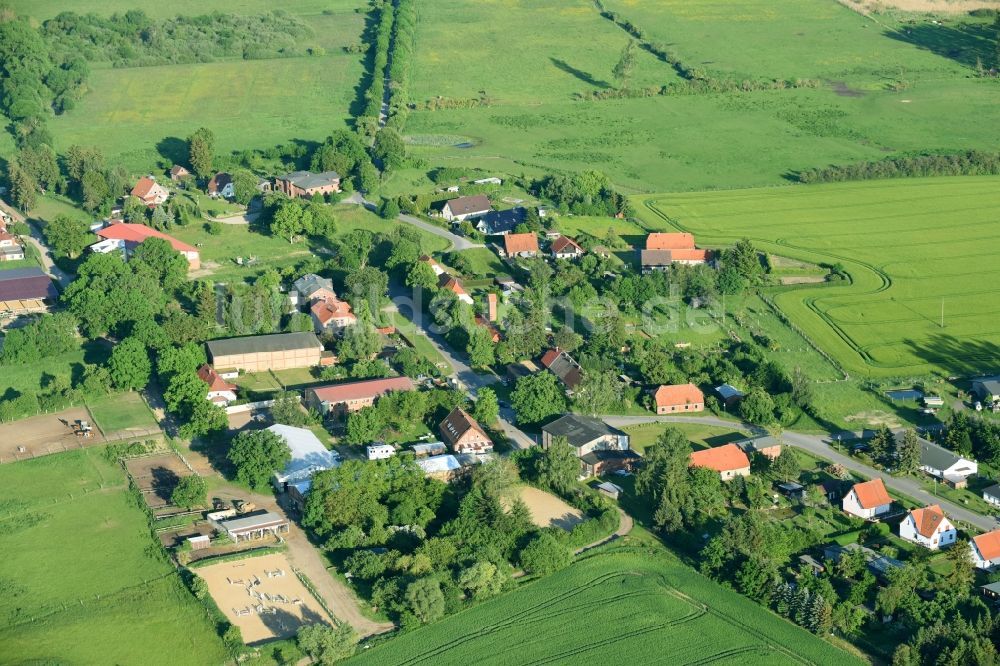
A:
(262, 596)
(157, 475)
(44, 434)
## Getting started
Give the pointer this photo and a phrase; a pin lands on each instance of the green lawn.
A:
(36, 376)
(646, 600)
(911, 247)
(350, 217)
(485, 263)
(45, 9)
(421, 343)
(121, 412)
(702, 436)
(83, 581)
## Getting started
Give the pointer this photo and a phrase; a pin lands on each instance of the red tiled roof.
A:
(988, 544)
(136, 233)
(485, 323)
(370, 388)
(452, 284)
(688, 255)
(207, 374)
(517, 243)
(678, 394)
(871, 494)
(550, 356)
(331, 308)
(670, 241)
(563, 243)
(143, 187)
(725, 458)
(927, 519)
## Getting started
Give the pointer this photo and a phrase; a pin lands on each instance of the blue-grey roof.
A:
(501, 221)
(727, 391)
(307, 179)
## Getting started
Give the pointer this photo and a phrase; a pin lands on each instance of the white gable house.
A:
(928, 527)
(867, 500)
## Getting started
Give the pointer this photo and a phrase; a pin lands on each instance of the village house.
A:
(520, 245)
(149, 192)
(867, 500)
(728, 460)
(943, 464)
(330, 314)
(987, 389)
(565, 247)
(260, 353)
(879, 565)
(500, 222)
(220, 391)
(338, 399)
(308, 456)
(454, 285)
(488, 325)
(465, 208)
(992, 494)
(600, 448)
(928, 527)
(430, 261)
(986, 550)
(665, 249)
(126, 237)
(463, 434)
(674, 398)
(311, 286)
(178, 173)
(767, 445)
(308, 184)
(221, 185)
(10, 249)
(562, 365)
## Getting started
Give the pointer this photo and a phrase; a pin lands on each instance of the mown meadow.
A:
(913, 248)
(80, 567)
(643, 603)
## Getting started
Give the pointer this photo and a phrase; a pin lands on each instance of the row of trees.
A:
(969, 163)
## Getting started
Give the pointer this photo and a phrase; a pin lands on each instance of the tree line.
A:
(968, 163)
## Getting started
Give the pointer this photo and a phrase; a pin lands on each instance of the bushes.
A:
(969, 163)
(368, 121)
(46, 336)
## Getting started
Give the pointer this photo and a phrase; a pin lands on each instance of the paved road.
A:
(820, 446)
(37, 240)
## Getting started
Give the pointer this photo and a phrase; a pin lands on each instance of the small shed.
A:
(200, 542)
(991, 591)
(791, 489)
(729, 395)
(609, 489)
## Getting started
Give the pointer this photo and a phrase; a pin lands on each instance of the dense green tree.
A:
(168, 265)
(663, 479)
(745, 259)
(327, 645)
(559, 466)
(487, 408)
(536, 397)
(257, 454)
(389, 149)
(757, 407)
(599, 393)
(287, 410)
(544, 555)
(482, 579)
(94, 189)
(190, 492)
(786, 466)
(425, 600)
(23, 187)
(130, 365)
(201, 151)
(881, 445)
(364, 426)
(481, 348)
(203, 417)
(625, 66)
(388, 209)
(244, 186)
(67, 236)
(907, 452)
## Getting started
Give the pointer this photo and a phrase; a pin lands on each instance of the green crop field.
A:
(607, 608)
(912, 248)
(83, 582)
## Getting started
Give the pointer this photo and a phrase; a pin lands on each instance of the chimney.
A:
(491, 306)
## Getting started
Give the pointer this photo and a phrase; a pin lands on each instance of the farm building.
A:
(220, 391)
(674, 398)
(520, 245)
(728, 460)
(867, 500)
(308, 455)
(254, 526)
(565, 247)
(670, 241)
(308, 184)
(501, 222)
(768, 445)
(729, 396)
(986, 550)
(878, 565)
(928, 527)
(221, 185)
(352, 396)
(605, 461)
(562, 365)
(464, 208)
(380, 451)
(992, 494)
(126, 237)
(149, 192)
(987, 389)
(443, 468)
(25, 285)
(429, 449)
(463, 434)
(259, 353)
(943, 464)
(665, 249)
(589, 436)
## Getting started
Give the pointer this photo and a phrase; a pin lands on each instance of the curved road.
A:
(61, 277)
(820, 447)
(457, 242)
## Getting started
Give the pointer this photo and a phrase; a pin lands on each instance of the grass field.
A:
(108, 596)
(910, 246)
(702, 436)
(45, 9)
(121, 412)
(635, 602)
(23, 377)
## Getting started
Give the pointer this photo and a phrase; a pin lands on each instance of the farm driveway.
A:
(625, 525)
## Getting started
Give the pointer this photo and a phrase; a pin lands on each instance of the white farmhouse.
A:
(986, 550)
(867, 500)
(928, 527)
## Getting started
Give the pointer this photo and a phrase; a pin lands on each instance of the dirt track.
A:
(45, 434)
(231, 588)
(933, 6)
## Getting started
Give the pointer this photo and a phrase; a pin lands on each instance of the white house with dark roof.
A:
(465, 208)
(992, 494)
(943, 464)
